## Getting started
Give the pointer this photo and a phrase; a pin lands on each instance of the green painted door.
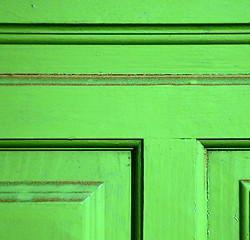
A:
(58, 194)
(228, 194)
(170, 161)
(123, 120)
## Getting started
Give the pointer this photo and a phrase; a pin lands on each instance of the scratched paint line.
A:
(55, 182)
(9, 200)
(132, 84)
(57, 200)
(122, 77)
(46, 192)
(45, 200)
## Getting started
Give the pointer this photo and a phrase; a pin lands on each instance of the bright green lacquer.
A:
(65, 194)
(168, 119)
(153, 146)
(228, 184)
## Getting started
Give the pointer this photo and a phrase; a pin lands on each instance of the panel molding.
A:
(202, 171)
(135, 146)
(245, 209)
(127, 34)
(129, 39)
(125, 28)
(53, 191)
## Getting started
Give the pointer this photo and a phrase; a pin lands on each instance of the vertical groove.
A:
(207, 188)
(137, 193)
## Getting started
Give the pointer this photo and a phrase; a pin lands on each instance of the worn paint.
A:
(169, 117)
(226, 207)
(110, 170)
(54, 182)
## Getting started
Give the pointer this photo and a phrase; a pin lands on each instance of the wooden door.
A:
(64, 193)
(124, 121)
(193, 140)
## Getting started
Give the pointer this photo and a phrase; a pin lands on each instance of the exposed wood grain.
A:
(22, 79)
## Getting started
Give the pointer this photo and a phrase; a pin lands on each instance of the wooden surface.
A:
(124, 12)
(128, 34)
(126, 59)
(45, 210)
(226, 170)
(244, 208)
(167, 118)
(102, 218)
(171, 75)
(144, 111)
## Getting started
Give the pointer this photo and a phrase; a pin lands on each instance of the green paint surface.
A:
(126, 59)
(226, 170)
(125, 12)
(44, 211)
(139, 136)
(245, 209)
(54, 220)
(124, 112)
(169, 119)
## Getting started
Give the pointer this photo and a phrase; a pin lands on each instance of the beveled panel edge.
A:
(223, 144)
(137, 201)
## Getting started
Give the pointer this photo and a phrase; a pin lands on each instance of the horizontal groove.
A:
(125, 34)
(125, 28)
(69, 143)
(125, 39)
(225, 143)
(228, 149)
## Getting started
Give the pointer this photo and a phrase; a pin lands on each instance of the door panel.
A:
(47, 210)
(245, 209)
(60, 194)
(228, 171)
(167, 118)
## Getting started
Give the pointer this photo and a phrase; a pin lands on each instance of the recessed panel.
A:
(226, 210)
(244, 207)
(53, 210)
(62, 183)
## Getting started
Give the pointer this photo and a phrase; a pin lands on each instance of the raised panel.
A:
(245, 209)
(228, 212)
(39, 182)
(52, 191)
(52, 210)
